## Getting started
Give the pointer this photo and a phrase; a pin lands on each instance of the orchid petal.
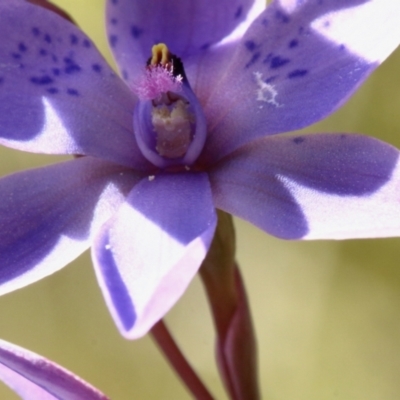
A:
(146, 255)
(322, 186)
(48, 215)
(206, 68)
(186, 26)
(35, 378)
(57, 93)
(297, 63)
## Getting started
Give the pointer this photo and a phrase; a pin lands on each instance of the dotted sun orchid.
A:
(190, 127)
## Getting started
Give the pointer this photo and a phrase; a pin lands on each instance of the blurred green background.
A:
(327, 314)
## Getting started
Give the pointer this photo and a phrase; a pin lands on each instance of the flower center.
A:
(168, 121)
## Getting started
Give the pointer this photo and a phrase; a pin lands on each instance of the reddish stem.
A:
(174, 355)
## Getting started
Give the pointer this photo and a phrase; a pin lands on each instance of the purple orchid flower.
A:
(145, 201)
(35, 378)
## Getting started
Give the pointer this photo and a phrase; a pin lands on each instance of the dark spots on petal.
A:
(52, 90)
(297, 73)
(125, 75)
(113, 40)
(253, 59)
(298, 140)
(96, 68)
(343, 136)
(293, 43)
(16, 56)
(72, 92)
(136, 32)
(47, 38)
(282, 17)
(250, 45)
(43, 52)
(41, 80)
(21, 66)
(35, 31)
(238, 12)
(71, 68)
(22, 47)
(277, 62)
(114, 2)
(114, 21)
(56, 71)
(265, 22)
(1, 80)
(205, 46)
(86, 43)
(73, 39)
(342, 47)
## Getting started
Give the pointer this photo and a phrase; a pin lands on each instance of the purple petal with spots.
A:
(146, 256)
(185, 26)
(296, 64)
(322, 186)
(48, 215)
(57, 93)
(35, 378)
(206, 68)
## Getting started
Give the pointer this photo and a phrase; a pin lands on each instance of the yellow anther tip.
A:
(160, 55)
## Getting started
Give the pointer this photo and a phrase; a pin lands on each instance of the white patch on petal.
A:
(370, 30)
(109, 201)
(53, 137)
(258, 7)
(265, 92)
(290, 5)
(332, 216)
(68, 247)
(155, 267)
(168, 251)
(54, 128)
